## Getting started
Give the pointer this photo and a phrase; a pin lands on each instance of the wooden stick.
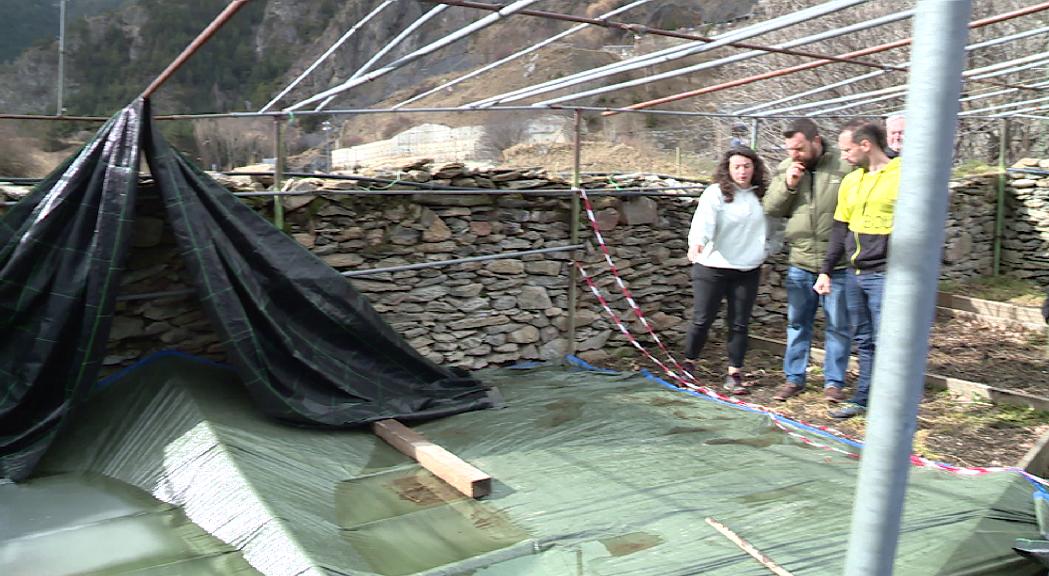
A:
(445, 465)
(748, 548)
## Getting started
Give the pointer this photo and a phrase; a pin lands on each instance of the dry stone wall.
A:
(1025, 241)
(495, 312)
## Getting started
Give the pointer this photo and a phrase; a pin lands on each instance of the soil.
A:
(597, 156)
(951, 430)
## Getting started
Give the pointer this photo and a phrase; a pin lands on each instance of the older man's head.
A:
(894, 132)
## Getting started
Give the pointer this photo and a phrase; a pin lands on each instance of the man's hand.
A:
(822, 285)
(794, 174)
(693, 252)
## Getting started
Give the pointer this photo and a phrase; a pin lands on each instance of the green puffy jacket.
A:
(809, 210)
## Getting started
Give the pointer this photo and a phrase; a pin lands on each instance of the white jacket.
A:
(733, 234)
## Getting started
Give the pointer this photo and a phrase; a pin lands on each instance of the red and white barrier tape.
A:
(687, 380)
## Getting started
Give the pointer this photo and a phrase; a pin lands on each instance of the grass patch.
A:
(972, 168)
(997, 288)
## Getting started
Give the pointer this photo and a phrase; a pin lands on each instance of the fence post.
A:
(573, 227)
(278, 170)
(999, 210)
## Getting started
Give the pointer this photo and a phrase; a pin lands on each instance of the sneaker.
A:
(848, 411)
(734, 384)
(834, 394)
(788, 390)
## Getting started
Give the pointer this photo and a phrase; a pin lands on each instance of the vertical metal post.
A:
(573, 227)
(999, 210)
(677, 158)
(61, 55)
(278, 170)
(754, 133)
(910, 289)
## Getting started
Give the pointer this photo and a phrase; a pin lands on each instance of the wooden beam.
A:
(1029, 316)
(442, 463)
(964, 388)
(748, 548)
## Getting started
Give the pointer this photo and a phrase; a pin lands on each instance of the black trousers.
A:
(709, 287)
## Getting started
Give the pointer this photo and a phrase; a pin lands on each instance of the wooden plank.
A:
(1027, 315)
(780, 346)
(442, 463)
(964, 388)
(1036, 461)
(978, 391)
(749, 548)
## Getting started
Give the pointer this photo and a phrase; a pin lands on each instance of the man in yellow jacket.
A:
(862, 224)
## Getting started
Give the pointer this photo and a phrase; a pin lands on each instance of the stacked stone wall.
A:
(495, 312)
(1025, 240)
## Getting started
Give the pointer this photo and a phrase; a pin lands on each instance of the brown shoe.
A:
(833, 394)
(788, 390)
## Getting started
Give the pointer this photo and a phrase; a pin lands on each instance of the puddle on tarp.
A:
(752, 442)
(630, 543)
(407, 520)
(560, 412)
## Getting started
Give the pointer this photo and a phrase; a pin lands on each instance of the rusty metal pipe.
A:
(199, 41)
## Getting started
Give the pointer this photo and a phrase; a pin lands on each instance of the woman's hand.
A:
(693, 252)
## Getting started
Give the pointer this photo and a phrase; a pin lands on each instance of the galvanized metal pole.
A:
(61, 54)
(278, 171)
(754, 133)
(999, 209)
(910, 288)
(573, 227)
(847, 56)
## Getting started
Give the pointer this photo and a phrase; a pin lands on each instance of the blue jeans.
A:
(863, 292)
(802, 302)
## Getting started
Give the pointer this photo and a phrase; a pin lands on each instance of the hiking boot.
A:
(734, 384)
(849, 411)
(788, 390)
(834, 395)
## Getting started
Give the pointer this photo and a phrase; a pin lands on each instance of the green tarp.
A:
(594, 474)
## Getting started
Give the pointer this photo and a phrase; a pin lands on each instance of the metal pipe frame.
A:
(327, 53)
(408, 31)
(501, 13)
(875, 74)
(702, 44)
(739, 57)
(516, 55)
(573, 227)
(195, 45)
(999, 205)
(854, 54)
(375, 271)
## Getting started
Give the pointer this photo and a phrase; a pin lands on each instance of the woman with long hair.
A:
(727, 244)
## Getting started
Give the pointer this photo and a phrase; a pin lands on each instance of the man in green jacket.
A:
(805, 192)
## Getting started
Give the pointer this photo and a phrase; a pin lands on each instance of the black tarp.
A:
(309, 347)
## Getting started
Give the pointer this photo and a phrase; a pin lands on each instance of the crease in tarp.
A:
(309, 347)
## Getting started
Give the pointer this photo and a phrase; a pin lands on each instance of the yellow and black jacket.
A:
(863, 219)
